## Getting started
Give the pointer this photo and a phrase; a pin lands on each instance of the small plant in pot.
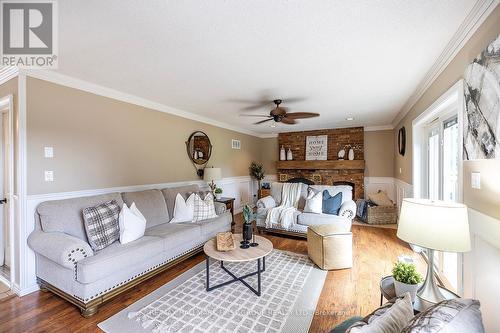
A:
(218, 193)
(406, 279)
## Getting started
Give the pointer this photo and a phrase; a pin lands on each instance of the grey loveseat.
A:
(67, 266)
(302, 219)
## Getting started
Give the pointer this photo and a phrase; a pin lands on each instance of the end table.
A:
(388, 292)
(229, 202)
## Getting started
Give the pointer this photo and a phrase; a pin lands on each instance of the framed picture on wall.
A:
(317, 148)
(282, 177)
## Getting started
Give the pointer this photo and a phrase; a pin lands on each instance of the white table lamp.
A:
(434, 225)
(210, 175)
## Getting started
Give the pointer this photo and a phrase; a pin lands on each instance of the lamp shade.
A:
(211, 174)
(435, 224)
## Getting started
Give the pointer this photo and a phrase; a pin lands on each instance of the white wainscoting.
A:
(403, 190)
(243, 189)
(396, 189)
(375, 184)
(481, 267)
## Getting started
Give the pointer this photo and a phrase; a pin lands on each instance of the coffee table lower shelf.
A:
(236, 278)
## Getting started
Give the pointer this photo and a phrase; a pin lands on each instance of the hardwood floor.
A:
(346, 292)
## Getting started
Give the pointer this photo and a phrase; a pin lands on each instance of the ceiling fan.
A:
(280, 115)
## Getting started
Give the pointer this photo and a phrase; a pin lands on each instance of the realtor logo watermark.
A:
(29, 34)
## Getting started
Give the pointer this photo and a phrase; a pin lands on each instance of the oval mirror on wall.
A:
(199, 149)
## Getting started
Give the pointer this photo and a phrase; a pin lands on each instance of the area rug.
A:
(291, 286)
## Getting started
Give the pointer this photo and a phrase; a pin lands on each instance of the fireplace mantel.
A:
(321, 165)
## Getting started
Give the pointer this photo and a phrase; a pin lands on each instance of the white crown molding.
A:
(68, 81)
(481, 10)
(378, 128)
(7, 73)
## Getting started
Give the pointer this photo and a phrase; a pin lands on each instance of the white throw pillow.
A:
(314, 202)
(204, 209)
(132, 224)
(183, 209)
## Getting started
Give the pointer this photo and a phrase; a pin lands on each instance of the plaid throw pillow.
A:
(204, 209)
(101, 224)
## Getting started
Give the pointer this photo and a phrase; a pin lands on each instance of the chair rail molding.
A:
(243, 189)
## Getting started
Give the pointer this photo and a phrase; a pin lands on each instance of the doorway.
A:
(437, 165)
(6, 190)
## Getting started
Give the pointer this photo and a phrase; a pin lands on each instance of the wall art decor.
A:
(283, 177)
(316, 148)
(482, 105)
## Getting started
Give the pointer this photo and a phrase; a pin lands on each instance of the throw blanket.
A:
(362, 208)
(283, 214)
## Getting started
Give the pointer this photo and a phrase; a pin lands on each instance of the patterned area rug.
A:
(290, 289)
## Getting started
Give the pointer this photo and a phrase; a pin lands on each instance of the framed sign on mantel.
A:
(316, 148)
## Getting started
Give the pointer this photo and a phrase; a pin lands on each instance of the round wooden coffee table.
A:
(238, 255)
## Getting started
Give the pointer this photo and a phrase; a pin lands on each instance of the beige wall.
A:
(379, 153)
(486, 199)
(100, 142)
(270, 154)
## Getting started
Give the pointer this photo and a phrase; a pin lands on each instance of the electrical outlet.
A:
(49, 152)
(49, 176)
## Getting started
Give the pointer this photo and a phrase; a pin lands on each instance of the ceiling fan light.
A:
(349, 118)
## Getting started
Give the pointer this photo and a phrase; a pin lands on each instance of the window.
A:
(442, 182)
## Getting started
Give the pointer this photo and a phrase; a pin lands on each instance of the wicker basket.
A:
(382, 215)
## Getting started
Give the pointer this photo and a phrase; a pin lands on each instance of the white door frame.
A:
(7, 106)
(452, 98)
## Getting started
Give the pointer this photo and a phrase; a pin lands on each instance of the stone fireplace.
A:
(329, 172)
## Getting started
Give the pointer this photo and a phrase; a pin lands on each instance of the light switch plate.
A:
(475, 180)
(49, 152)
(49, 176)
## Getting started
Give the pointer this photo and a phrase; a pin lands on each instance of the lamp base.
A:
(429, 292)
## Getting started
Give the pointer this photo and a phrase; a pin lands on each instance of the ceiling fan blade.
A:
(288, 121)
(279, 111)
(257, 105)
(301, 115)
(293, 99)
(263, 121)
(255, 115)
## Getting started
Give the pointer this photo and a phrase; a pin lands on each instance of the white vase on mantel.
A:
(351, 154)
(282, 154)
(289, 155)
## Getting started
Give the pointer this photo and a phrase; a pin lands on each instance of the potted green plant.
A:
(218, 193)
(257, 172)
(406, 279)
(247, 226)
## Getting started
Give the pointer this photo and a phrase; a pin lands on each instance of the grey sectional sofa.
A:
(67, 266)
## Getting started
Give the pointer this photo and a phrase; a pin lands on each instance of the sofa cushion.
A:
(331, 203)
(152, 205)
(171, 192)
(117, 257)
(210, 227)
(334, 189)
(66, 215)
(457, 315)
(391, 320)
(101, 224)
(276, 189)
(176, 234)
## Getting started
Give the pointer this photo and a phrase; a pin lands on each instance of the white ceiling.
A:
(360, 59)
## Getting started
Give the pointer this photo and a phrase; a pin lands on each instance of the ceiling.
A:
(360, 59)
